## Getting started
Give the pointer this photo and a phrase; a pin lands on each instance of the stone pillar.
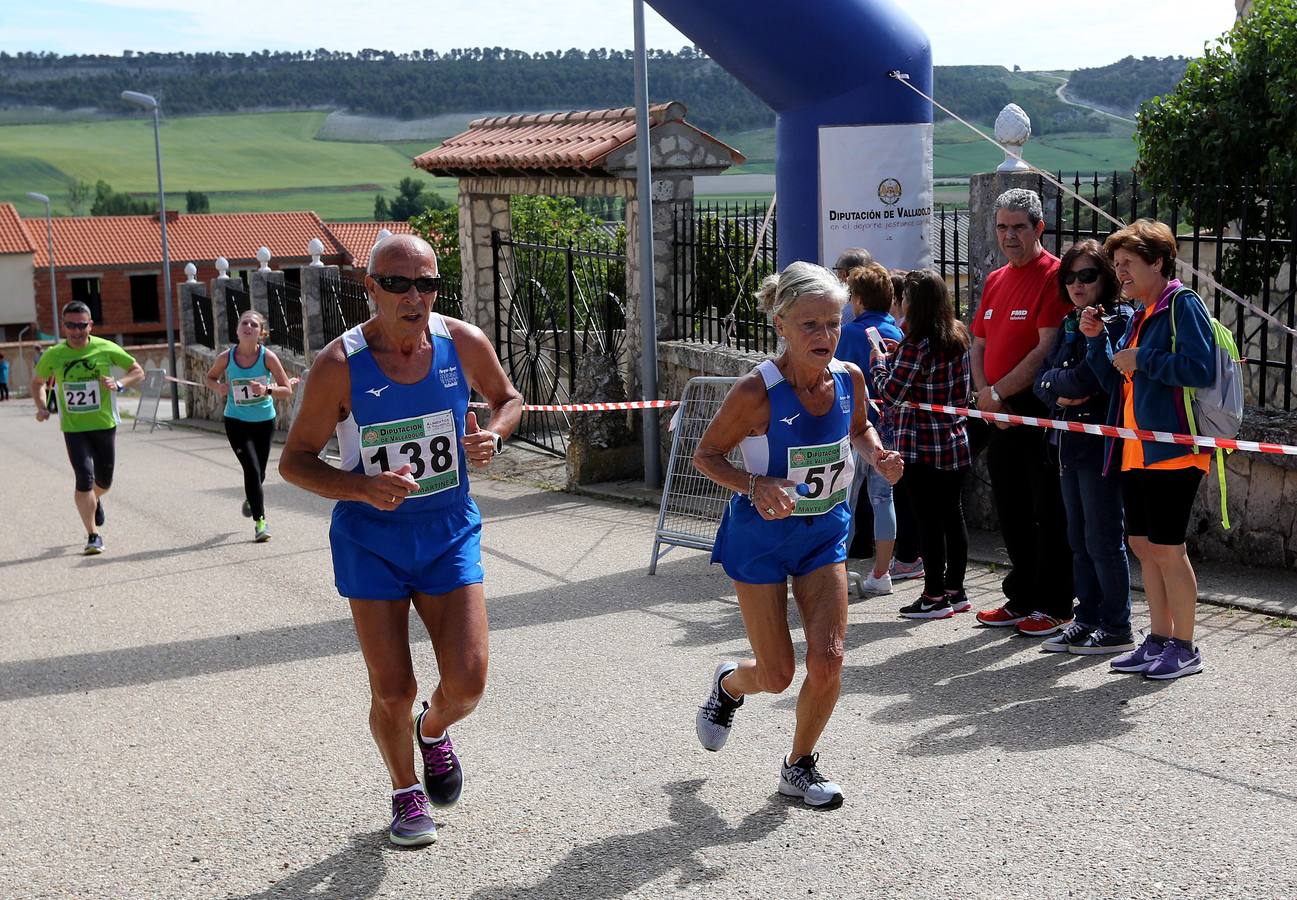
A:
(184, 292)
(479, 214)
(667, 191)
(312, 309)
(220, 329)
(257, 293)
(984, 254)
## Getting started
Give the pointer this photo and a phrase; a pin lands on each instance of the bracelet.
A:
(752, 486)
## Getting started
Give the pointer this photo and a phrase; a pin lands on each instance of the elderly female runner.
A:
(795, 419)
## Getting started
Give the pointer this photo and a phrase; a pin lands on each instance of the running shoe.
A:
(412, 824)
(99, 514)
(1038, 624)
(260, 532)
(247, 510)
(1000, 617)
(94, 545)
(443, 777)
(1143, 656)
(1102, 642)
(1071, 636)
(716, 716)
(876, 584)
(1179, 658)
(958, 601)
(802, 778)
(928, 608)
(903, 571)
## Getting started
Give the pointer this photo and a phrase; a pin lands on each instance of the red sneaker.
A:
(1040, 625)
(1000, 617)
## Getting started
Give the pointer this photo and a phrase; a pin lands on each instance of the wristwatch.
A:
(995, 395)
(121, 388)
(498, 446)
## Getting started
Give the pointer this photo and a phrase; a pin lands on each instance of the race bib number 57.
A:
(427, 443)
(827, 470)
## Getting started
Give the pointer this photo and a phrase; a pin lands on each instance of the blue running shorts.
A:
(754, 551)
(385, 556)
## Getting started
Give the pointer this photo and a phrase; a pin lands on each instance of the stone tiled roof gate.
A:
(589, 153)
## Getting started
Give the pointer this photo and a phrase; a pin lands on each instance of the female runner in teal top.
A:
(253, 379)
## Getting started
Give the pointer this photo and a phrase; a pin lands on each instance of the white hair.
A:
(800, 279)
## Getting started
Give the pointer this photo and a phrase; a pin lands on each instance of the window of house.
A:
(144, 298)
(87, 291)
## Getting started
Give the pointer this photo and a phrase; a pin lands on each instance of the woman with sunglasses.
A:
(1092, 499)
(253, 379)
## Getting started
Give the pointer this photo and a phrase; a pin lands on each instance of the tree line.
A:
(422, 83)
(1125, 84)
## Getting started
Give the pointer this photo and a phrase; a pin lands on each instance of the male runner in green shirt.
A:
(87, 403)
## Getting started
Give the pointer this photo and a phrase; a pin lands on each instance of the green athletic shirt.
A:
(85, 403)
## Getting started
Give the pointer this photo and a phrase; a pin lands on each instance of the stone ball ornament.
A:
(1012, 130)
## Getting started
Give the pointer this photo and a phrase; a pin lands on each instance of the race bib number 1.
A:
(427, 443)
(827, 470)
(242, 390)
(81, 396)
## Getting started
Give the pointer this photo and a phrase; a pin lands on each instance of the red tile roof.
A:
(358, 238)
(94, 241)
(13, 235)
(577, 142)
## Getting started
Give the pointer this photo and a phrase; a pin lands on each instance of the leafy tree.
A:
(78, 192)
(410, 200)
(197, 202)
(108, 202)
(1230, 127)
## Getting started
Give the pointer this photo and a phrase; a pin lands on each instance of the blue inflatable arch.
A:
(818, 63)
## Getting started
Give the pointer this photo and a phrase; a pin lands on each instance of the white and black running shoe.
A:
(927, 608)
(802, 778)
(716, 716)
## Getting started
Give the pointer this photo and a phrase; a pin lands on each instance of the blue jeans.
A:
(1096, 531)
(880, 501)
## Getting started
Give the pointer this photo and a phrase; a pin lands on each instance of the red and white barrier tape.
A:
(182, 381)
(592, 407)
(1133, 434)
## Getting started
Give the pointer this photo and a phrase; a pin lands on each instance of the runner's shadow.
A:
(973, 701)
(356, 870)
(110, 558)
(618, 864)
(45, 555)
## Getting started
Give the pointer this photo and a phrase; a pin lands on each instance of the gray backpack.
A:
(1216, 410)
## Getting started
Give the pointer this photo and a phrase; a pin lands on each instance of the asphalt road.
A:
(185, 716)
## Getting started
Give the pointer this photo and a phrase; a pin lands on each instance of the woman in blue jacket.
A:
(1168, 348)
(1073, 392)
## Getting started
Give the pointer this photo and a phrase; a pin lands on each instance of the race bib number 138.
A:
(827, 470)
(427, 443)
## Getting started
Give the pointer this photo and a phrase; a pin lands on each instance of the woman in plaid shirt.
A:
(931, 366)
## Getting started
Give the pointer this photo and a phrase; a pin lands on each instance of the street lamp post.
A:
(49, 236)
(147, 102)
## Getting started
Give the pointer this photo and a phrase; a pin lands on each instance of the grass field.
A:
(275, 161)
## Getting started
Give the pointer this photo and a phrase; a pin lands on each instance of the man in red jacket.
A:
(1013, 329)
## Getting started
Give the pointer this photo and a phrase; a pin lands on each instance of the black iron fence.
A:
(237, 302)
(722, 251)
(343, 304)
(204, 330)
(553, 305)
(286, 323)
(1255, 257)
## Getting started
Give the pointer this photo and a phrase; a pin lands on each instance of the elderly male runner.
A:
(81, 366)
(405, 530)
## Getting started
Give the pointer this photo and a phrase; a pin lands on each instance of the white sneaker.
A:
(803, 779)
(716, 716)
(876, 584)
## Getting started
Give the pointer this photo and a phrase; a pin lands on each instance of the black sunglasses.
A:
(1085, 276)
(76, 326)
(399, 284)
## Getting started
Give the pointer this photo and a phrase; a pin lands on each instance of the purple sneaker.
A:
(443, 778)
(1143, 656)
(412, 824)
(1178, 659)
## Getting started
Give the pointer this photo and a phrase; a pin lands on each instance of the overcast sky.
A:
(963, 32)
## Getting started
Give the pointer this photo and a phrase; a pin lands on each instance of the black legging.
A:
(251, 444)
(935, 497)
